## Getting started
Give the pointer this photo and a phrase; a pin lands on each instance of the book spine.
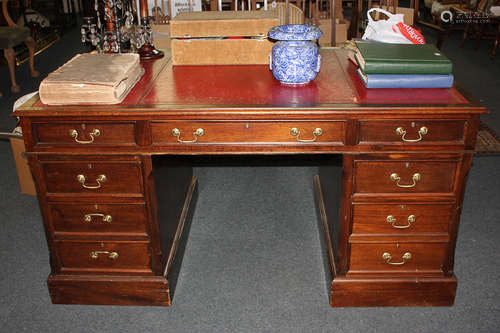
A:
(408, 81)
(381, 67)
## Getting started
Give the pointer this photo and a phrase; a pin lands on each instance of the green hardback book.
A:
(384, 58)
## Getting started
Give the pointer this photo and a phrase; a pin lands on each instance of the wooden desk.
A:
(390, 224)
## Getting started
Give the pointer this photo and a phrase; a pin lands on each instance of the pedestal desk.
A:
(389, 213)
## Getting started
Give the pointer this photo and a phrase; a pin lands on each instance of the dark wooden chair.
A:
(490, 29)
(12, 35)
(420, 23)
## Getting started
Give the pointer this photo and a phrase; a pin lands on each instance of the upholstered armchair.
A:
(11, 35)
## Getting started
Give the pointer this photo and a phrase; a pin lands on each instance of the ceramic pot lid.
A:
(295, 32)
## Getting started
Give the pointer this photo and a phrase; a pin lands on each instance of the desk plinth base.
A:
(349, 292)
(109, 290)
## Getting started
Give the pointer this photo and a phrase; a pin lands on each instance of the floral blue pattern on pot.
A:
(295, 58)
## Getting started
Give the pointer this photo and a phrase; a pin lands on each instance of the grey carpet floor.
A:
(253, 261)
(252, 264)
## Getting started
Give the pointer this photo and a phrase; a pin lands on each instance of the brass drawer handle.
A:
(395, 178)
(391, 219)
(101, 179)
(295, 132)
(105, 218)
(177, 133)
(421, 132)
(387, 257)
(95, 132)
(111, 255)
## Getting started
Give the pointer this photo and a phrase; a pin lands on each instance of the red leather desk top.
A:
(253, 86)
(336, 84)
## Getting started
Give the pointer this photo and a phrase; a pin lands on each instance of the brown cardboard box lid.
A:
(223, 23)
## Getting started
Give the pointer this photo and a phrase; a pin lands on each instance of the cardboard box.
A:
(223, 24)
(201, 38)
(26, 182)
(341, 28)
(221, 52)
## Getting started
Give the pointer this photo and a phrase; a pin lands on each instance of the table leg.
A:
(495, 43)
(479, 33)
(358, 18)
(10, 57)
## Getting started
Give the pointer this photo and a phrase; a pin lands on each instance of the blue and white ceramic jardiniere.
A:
(294, 58)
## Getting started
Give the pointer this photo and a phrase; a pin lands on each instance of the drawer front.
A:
(84, 134)
(410, 258)
(407, 132)
(93, 177)
(99, 218)
(402, 219)
(248, 132)
(405, 176)
(105, 257)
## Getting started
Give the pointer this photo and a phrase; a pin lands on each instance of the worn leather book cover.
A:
(384, 58)
(92, 79)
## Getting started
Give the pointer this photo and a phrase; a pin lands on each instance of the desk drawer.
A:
(99, 218)
(405, 176)
(93, 177)
(407, 258)
(84, 134)
(400, 219)
(289, 132)
(104, 257)
(407, 132)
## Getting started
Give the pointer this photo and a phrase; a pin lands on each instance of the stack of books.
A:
(383, 65)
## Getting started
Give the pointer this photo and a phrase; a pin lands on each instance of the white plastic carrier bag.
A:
(392, 30)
